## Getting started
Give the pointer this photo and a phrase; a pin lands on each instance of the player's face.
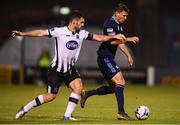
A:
(80, 23)
(121, 16)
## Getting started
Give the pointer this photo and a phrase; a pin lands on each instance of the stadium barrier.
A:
(168, 76)
(91, 75)
(150, 76)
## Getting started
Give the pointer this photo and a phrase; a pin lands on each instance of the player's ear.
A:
(74, 22)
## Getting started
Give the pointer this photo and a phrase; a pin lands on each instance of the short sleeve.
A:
(112, 28)
(87, 35)
(54, 32)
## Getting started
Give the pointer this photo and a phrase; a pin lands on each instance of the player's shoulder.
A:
(110, 22)
(83, 31)
(59, 29)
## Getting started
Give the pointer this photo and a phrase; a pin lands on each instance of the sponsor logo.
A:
(72, 45)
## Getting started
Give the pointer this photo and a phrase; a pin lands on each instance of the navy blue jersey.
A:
(110, 27)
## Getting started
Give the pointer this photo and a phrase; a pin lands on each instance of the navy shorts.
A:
(55, 79)
(108, 67)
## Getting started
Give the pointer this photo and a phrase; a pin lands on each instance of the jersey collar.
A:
(73, 33)
(115, 19)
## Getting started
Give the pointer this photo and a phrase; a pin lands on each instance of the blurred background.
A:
(156, 22)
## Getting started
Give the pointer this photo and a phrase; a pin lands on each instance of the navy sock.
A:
(119, 92)
(100, 91)
(104, 90)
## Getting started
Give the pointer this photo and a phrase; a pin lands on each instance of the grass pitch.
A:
(163, 102)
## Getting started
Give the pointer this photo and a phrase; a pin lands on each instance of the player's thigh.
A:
(108, 67)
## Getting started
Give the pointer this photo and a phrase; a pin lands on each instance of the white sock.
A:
(73, 100)
(34, 103)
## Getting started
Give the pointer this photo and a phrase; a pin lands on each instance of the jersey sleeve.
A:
(54, 32)
(112, 28)
(87, 35)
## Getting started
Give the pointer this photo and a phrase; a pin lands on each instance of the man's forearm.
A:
(125, 50)
(34, 33)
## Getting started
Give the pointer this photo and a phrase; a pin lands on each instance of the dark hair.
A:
(121, 7)
(75, 15)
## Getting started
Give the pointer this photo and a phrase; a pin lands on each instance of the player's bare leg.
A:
(41, 99)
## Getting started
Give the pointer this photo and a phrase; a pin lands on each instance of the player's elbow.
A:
(98, 38)
(41, 33)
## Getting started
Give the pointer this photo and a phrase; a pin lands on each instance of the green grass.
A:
(163, 101)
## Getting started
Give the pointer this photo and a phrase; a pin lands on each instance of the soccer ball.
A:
(142, 112)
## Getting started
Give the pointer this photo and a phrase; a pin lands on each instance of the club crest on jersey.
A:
(72, 45)
(52, 29)
(109, 30)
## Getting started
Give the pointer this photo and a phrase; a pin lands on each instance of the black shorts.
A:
(108, 67)
(55, 79)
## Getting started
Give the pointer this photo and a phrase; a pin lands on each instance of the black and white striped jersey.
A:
(67, 46)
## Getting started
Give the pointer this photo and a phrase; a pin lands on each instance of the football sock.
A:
(100, 91)
(73, 100)
(104, 90)
(119, 92)
(36, 102)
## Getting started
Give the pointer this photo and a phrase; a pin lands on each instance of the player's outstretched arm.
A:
(34, 33)
(133, 39)
(103, 38)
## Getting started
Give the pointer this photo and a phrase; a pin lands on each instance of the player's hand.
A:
(134, 39)
(130, 61)
(16, 33)
(120, 39)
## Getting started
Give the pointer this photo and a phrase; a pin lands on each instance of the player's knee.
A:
(78, 90)
(50, 97)
(121, 82)
(118, 79)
